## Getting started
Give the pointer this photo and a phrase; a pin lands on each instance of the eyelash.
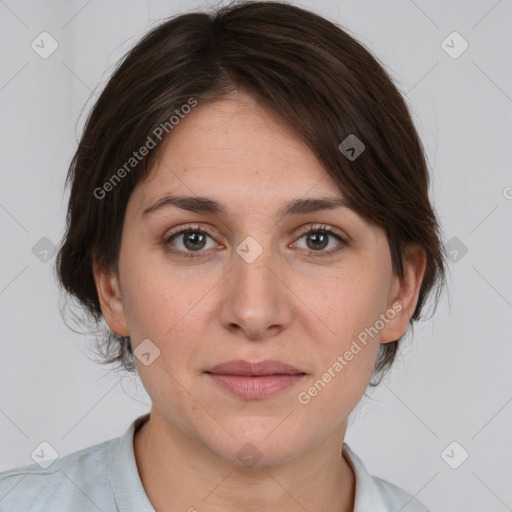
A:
(312, 229)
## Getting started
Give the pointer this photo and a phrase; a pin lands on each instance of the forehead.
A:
(238, 151)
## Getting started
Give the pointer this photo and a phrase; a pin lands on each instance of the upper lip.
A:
(242, 367)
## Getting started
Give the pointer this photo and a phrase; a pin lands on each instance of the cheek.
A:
(171, 310)
(349, 309)
(349, 301)
(157, 299)
(347, 365)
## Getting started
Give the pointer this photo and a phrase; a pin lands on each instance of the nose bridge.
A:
(254, 270)
(255, 299)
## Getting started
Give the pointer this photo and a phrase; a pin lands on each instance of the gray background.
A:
(453, 381)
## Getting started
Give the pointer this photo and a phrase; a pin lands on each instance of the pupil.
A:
(195, 237)
(318, 236)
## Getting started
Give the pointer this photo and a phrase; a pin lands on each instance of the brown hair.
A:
(312, 74)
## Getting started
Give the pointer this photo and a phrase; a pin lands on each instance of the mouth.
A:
(255, 380)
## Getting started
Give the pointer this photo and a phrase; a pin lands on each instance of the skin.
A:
(289, 304)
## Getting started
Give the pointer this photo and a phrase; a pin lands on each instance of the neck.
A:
(178, 473)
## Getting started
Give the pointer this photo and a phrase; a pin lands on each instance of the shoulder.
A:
(376, 494)
(79, 480)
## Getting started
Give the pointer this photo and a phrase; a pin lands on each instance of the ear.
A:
(111, 302)
(404, 294)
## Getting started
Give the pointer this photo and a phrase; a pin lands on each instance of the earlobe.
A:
(111, 300)
(405, 297)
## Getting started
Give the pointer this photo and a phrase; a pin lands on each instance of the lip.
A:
(255, 380)
(246, 368)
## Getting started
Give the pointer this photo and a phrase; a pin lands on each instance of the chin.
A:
(257, 443)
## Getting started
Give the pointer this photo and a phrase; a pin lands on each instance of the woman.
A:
(249, 214)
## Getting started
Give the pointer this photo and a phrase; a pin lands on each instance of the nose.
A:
(256, 299)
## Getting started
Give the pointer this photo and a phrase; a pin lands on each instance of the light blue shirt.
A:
(104, 478)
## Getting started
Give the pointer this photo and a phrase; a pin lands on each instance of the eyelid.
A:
(321, 227)
(308, 228)
(332, 232)
(180, 231)
(302, 230)
(188, 227)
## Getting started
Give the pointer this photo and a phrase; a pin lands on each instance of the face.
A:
(250, 282)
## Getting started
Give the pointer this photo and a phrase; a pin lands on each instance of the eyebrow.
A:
(203, 204)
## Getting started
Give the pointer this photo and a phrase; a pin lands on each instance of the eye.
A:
(319, 237)
(190, 240)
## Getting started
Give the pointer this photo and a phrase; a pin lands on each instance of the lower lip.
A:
(251, 387)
